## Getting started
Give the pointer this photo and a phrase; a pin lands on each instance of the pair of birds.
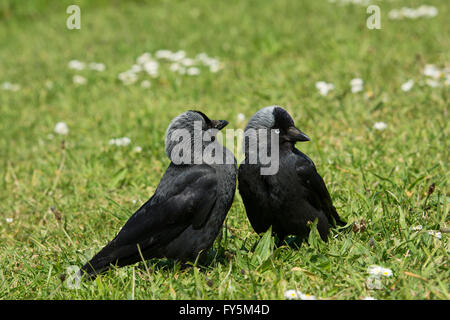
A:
(186, 213)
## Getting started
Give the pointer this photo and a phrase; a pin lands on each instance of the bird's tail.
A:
(109, 256)
(103, 260)
(336, 218)
(97, 265)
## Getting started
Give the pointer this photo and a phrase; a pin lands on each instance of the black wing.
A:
(181, 200)
(318, 195)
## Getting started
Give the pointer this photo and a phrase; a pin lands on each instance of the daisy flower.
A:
(193, 71)
(178, 56)
(61, 128)
(357, 85)
(324, 87)
(432, 83)
(127, 77)
(137, 149)
(435, 234)
(76, 65)
(407, 85)
(79, 80)
(432, 71)
(151, 67)
(135, 68)
(174, 67)
(379, 271)
(240, 117)
(215, 68)
(146, 84)
(163, 54)
(9, 220)
(97, 66)
(291, 295)
(8, 86)
(120, 142)
(305, 296)
(187, 62)
(380, 126)
(145, 57)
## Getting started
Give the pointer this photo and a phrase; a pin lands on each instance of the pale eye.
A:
(277, 131)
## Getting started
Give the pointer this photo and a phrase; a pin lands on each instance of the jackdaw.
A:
(186, 213)
(296, 194)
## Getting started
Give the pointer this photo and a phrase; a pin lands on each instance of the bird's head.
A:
(190, 127)
(277, 119)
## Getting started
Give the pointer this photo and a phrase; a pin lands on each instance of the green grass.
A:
(273, 53)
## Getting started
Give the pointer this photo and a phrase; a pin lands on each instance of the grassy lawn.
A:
(271, 52)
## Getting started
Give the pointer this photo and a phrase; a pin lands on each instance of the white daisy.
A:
(356, 82)
(127, 77)
(97, 66)
(379, 271)
(135, 68)
(79, 80)
(432, 71)
(61, 128)
(201, 57)
(193, 71)
(407, 85)
(163, 54)
(120, 142)
(146, 84)
(123, 142)
(240, 117)
(427, 11)
(137, 149)
(76, 65)
(417, 228)
(8, 86)
(394, 14)
(151, 67)
(215, 68)
(305, 296)
(357, 85)
(324, 87)
(174, 67)
(178, 56)
(145, 57)
(380, 126)
(187, 62)
(291, 294)
(432, 83)
(435, 234)
(9, 220)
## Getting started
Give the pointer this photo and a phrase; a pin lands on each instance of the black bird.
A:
(293, 196)
(186, 213)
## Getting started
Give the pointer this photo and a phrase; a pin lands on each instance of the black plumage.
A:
(183, 217)
(292, 197)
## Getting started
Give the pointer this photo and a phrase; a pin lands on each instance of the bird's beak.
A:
(293, 134)
(219, 124)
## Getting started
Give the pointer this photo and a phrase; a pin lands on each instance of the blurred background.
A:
(373, 101)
